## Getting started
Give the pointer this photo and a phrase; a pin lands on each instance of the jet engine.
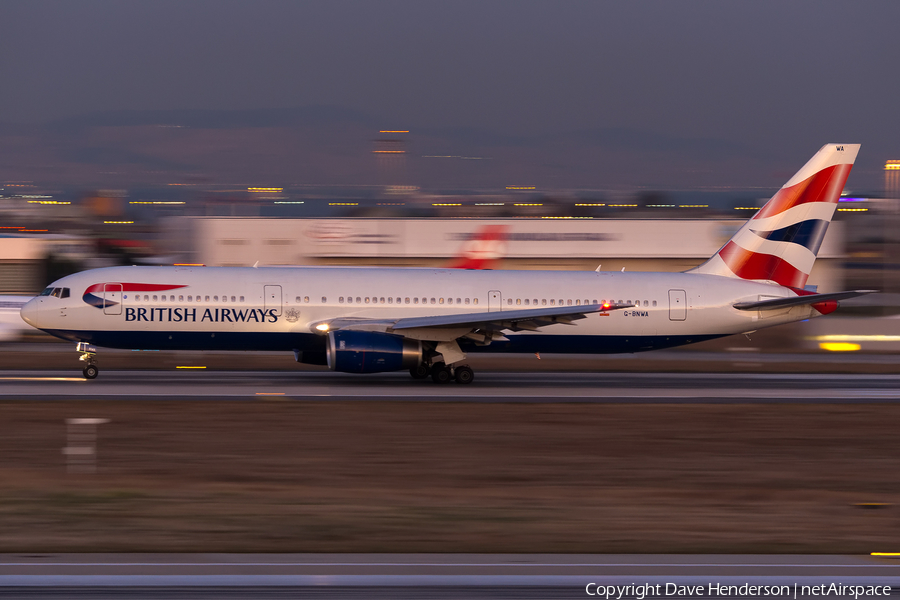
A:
(371, 352)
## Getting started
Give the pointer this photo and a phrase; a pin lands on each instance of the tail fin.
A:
(780, 242)
(483, 249)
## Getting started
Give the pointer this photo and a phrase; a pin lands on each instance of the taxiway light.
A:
(896, 554)
(394, 131)
(839, 346)
(187, 367)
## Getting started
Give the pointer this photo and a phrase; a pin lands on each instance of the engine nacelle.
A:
(371, 352)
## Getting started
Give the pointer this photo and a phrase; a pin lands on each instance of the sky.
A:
(768, 76)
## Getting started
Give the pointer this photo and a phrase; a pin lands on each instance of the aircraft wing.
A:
(513, 320)
(800, 300)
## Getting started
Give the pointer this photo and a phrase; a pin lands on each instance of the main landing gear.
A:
(88, 355)
(441, 373)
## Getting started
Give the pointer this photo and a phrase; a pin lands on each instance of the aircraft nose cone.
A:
(29, 312)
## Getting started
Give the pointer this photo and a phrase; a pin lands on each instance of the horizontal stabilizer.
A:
(800, 300)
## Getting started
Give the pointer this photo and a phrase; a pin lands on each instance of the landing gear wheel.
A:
(420, 371)
(464, 374)
(90, 372)
(440, 373)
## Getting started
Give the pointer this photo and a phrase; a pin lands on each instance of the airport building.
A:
(554, 244)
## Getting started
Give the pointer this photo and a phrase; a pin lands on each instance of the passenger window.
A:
(440, 301)
(467, 300)
(154, 298)
(407, 301)
(305, 299)
(432, 300)
(458, 301)
(297, 299)
(509, 301)
(475, 301)
(518, 301)
(367, 299)
(341, 300)
(381, 300)
(390, 300)
(527, 302)
(398, 300)
(181, 298)
(215, 298)
(324, 300)
(190, 298)
(654, 303)
(569, 302)
(552, 302)
(415, 300)
(242, 299)
(543, 302)
(147, 298)
(449, 300)
(577, 302)
(645, 303)
(358, 300)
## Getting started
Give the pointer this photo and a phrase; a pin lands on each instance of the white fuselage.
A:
(236, 308)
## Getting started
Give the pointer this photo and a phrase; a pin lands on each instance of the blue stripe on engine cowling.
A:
(808, 234)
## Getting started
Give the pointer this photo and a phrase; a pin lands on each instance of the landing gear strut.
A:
(88, 355)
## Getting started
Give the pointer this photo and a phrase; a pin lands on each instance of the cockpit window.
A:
(56, 292)
(64, 293)
(47, 291)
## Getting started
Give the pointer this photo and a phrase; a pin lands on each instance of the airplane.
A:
(11, 326)
(374, 319)
(484, 249)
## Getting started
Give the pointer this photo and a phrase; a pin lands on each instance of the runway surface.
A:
(199, 385)
(427, 575)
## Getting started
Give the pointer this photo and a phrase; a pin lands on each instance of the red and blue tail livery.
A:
(780, 242)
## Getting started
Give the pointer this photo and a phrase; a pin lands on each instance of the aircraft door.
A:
(495, 301)
(112, 298)
(677, 305)
(272, 299)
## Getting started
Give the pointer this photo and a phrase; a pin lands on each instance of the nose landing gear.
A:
(88, 355)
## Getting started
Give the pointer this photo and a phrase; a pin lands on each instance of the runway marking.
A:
(416, 564)
(42, 379)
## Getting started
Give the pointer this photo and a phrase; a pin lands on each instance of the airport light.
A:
(257, 190)
(521, 187)
(343, 204)
(594, 204)
(445, 204)
(892, 165)
(853, 209)
(693, 206)
(394, 131)
(839, 346)
(528, 204)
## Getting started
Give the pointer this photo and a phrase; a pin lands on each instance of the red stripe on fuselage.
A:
(134, 287)
(756, 265)
(824, 186)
